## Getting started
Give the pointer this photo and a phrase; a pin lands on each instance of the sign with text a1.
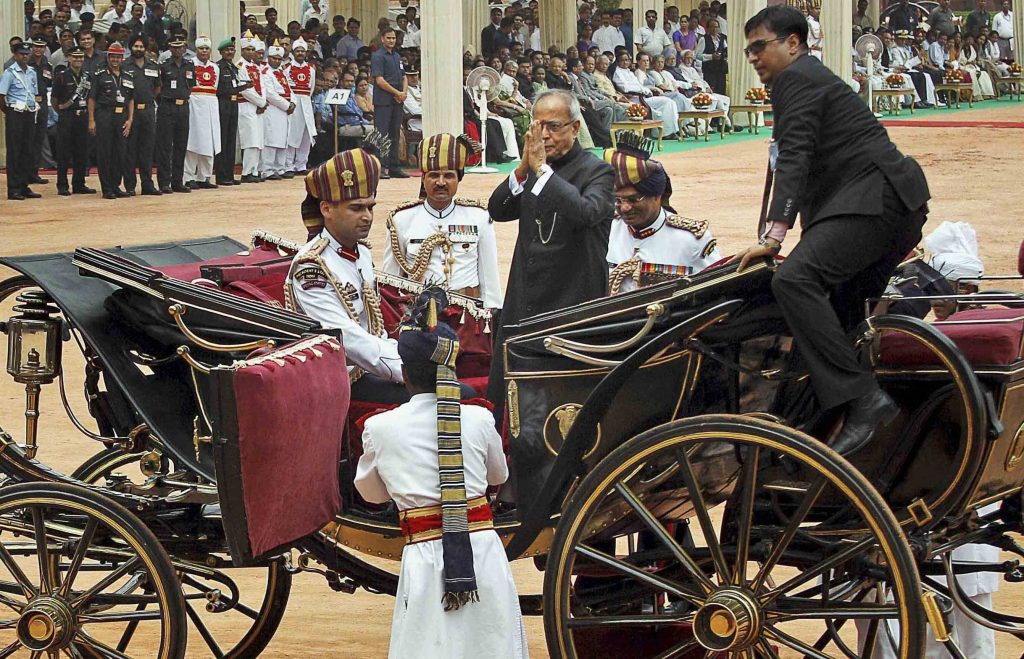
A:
(337, 96)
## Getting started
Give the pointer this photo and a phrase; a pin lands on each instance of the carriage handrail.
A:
(178, 310)
(569, 463)
(566, 347)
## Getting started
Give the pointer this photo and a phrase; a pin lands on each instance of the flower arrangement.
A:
(702, 101)
(1015, 69)
(757, 95)
(954, 76)
(894, 81)
(636, 112)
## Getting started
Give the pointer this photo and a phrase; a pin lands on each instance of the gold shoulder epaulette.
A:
(405, 205)
(475, 203)
(696, 227)
(365, 242)
(315, 251)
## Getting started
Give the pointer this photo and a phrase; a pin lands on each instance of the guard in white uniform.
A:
(252, 103)
(301, 125)
(277, 117)
(456, 597)
(203, 119)
(442, 239)
(649, 243)
(331, 278)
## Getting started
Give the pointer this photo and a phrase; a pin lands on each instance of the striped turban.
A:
(630, 160)
(444, 152)
(351, 174)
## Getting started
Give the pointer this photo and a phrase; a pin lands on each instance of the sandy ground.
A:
(974, 175)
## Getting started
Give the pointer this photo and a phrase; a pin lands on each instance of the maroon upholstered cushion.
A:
(292, 406)
(1020, 259)
(980, 340)
(257, 275)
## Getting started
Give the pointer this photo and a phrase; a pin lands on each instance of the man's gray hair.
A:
(565, 97)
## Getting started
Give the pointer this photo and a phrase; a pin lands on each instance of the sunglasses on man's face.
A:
(757, 47)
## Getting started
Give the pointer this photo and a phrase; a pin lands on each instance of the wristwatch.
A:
(774, 245)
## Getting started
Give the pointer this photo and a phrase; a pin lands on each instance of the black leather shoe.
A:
(84, 190)
(248, 178)
(64, 192)
(16, 196)
(109, 195)
(181, 188)
(397, 173)
(38, 180)
(288, 175)
(122, 194)
(151, 192)
(166, 190)
(864, 416)
(28, 194)
(205, 185)
(272, 177)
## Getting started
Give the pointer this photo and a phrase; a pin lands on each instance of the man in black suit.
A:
(563, 199)
(862, 204)
(488, 34)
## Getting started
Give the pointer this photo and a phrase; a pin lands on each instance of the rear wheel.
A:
(80, 576)
(729, 536)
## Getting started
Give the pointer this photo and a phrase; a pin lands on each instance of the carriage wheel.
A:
(234, 611)
(77, 572)
(770, 565)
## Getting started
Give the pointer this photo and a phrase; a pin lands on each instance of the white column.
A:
(741, 74)
(367, 12)
(640, 9)
(475, 17)
(1018, 31)
(837, 29)
(12, 22)
(441, 64)
(875, 11)
(286, 13)
(558, 24)
(217, 19)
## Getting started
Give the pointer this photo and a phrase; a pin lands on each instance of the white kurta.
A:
(204, 112)
(399, 462)
(474, 248)
(660, 251)
(316, 297)
(250, 124)
(275, 119)
(301, 124)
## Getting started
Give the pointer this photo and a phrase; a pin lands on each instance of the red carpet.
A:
(926, 123)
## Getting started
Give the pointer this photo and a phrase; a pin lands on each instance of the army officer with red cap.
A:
(110, 121)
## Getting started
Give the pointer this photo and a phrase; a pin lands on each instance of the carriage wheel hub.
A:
(47, 623)
(728, 620)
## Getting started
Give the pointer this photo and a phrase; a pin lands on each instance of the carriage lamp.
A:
(33, 354)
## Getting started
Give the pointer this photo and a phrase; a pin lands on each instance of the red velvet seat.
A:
(258, 275)
(1020, 259)
(981, 342)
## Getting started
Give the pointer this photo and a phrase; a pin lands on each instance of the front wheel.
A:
(728, 536)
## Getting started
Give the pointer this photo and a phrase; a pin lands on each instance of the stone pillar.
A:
(286, 13)
(217, 19)
(558, 24)
(875, 11)
(837, 29)
(12, 22)
(741, 74)
(1018, 31)
(367, 12)
(640, 9)
(441, 22)
(475, 17)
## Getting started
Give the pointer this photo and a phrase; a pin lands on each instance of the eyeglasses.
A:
(554, 126)
(757, 47)
(632, 200)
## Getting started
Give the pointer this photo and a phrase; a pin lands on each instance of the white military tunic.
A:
(663, 249)
(474, 247)
(250, 124)
(315, 295)
(399, 462)
(301, 125)
(203, 123)
(275, 121)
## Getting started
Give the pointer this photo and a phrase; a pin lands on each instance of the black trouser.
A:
(111, 147)
(38, 137)
(141, 142)
(224, 162)
(388, 120)
(822, 285)
(172, 139)
(72, 148)
(19, 130)
(599, 132)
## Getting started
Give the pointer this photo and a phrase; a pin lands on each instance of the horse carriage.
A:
(665, 472)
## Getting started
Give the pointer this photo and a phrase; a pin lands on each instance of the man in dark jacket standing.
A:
(862, 203)
(563, 198)
(228, 87)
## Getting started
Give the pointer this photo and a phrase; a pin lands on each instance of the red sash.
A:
(422, 524)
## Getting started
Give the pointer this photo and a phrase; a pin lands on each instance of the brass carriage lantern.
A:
(33, 354)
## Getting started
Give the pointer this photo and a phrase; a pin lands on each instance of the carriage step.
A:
(798, 487)
(211, 511)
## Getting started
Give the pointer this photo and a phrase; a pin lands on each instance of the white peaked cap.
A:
(954, 248)
(300, 44)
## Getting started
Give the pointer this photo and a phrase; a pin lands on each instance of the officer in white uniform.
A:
(203, 119)
(252, 103)
(456, 595)
(331, 278)
(301, 124)
(441, 239)
(649, 243)
(276, 119)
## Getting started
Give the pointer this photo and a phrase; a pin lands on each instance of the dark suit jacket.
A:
(834, 156)
(487, 40)
(564, 260)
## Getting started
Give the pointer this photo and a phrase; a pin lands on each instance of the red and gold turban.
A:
(351, 174)
(444, 152)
